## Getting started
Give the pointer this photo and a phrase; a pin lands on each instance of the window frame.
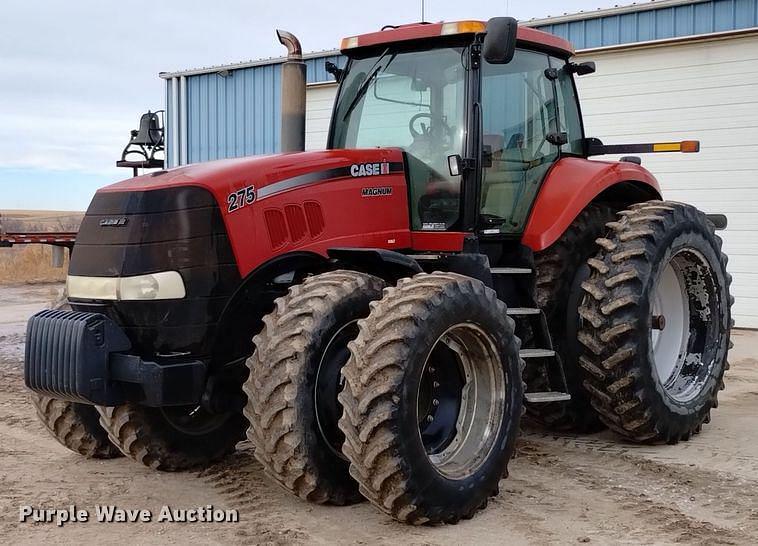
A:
(564, 63)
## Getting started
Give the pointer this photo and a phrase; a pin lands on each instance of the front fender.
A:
(575, 182)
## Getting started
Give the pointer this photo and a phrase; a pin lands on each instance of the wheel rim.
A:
(684, 306)
(193, 420)
(328, 385)
(461, 400)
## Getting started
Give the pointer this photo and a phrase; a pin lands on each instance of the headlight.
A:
(166, 285)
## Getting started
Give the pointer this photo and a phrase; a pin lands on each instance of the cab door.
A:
(520, 140)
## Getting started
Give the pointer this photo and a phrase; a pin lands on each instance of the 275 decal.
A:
(240, 198)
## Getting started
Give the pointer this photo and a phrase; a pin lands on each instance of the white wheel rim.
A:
(670, 301)
(684, 328)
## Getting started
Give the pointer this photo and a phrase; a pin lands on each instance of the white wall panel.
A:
(706, 91)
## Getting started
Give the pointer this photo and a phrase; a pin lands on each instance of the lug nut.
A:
(436, 384)
(658, 322)
(435, 402)
(429, 418)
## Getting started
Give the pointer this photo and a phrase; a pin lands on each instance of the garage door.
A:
(319, 100)
(702, 90)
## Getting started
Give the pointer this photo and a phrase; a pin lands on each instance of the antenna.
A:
(422, 11)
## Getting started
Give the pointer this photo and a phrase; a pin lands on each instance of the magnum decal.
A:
(380, 191)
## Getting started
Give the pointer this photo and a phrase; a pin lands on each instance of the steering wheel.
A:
(424, 129)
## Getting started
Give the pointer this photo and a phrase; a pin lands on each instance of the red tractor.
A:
(377, 315)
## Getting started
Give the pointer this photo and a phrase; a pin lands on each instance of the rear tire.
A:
(418, 447)
(76, 426)
(656, 322)
(561, 268)
(294, 381)
(172, 438)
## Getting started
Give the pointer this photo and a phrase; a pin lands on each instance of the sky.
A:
(76, 75)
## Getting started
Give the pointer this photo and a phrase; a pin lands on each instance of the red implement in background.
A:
(55, 238)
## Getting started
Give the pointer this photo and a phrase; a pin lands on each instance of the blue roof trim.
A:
(658, 23)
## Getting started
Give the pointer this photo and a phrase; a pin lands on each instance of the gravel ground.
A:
(562, 489)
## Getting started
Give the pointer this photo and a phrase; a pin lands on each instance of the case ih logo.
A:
(369, 169)
(114, 222)
(376, 192)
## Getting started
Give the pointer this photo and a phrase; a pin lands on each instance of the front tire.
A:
(432, 399)
(656, 323)
(75, 426)
(172, 438)
(294, 381)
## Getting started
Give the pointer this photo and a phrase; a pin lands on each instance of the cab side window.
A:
(519, 112)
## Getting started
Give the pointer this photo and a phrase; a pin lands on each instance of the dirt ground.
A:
(563, 489)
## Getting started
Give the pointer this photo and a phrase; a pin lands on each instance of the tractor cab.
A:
(481, 117)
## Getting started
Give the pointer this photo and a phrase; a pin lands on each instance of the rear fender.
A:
(572, 184)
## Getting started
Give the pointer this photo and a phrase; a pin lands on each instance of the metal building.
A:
(666, 70)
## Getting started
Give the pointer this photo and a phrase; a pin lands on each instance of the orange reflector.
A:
(667, 147)
(463, 27)
(690, 146)
(348, 43)
(685, 146)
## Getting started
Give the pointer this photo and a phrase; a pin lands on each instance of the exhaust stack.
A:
(293, 94)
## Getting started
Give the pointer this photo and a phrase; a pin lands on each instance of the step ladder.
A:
(543, 350)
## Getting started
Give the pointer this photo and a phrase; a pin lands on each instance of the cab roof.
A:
(421, 31)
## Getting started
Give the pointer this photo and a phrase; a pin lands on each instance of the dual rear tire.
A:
(656, 323)
(411, 438)
(295, 379)
(433, 399)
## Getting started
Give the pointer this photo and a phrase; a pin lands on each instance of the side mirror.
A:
(455, 164)
(334, 70)
(580, 69)
(459, 165)
(500, 41)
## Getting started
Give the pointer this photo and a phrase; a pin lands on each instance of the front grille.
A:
(171, 229)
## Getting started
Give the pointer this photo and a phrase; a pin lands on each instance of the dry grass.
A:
(33, 263)
(30, 263)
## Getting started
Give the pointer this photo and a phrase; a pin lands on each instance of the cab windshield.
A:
(414, 100)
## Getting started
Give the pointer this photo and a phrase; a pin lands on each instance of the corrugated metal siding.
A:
(233, 116)
(238, 114)
(658, 24)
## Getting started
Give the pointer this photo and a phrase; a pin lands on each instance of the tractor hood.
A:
(269, 174)
(214, 223)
